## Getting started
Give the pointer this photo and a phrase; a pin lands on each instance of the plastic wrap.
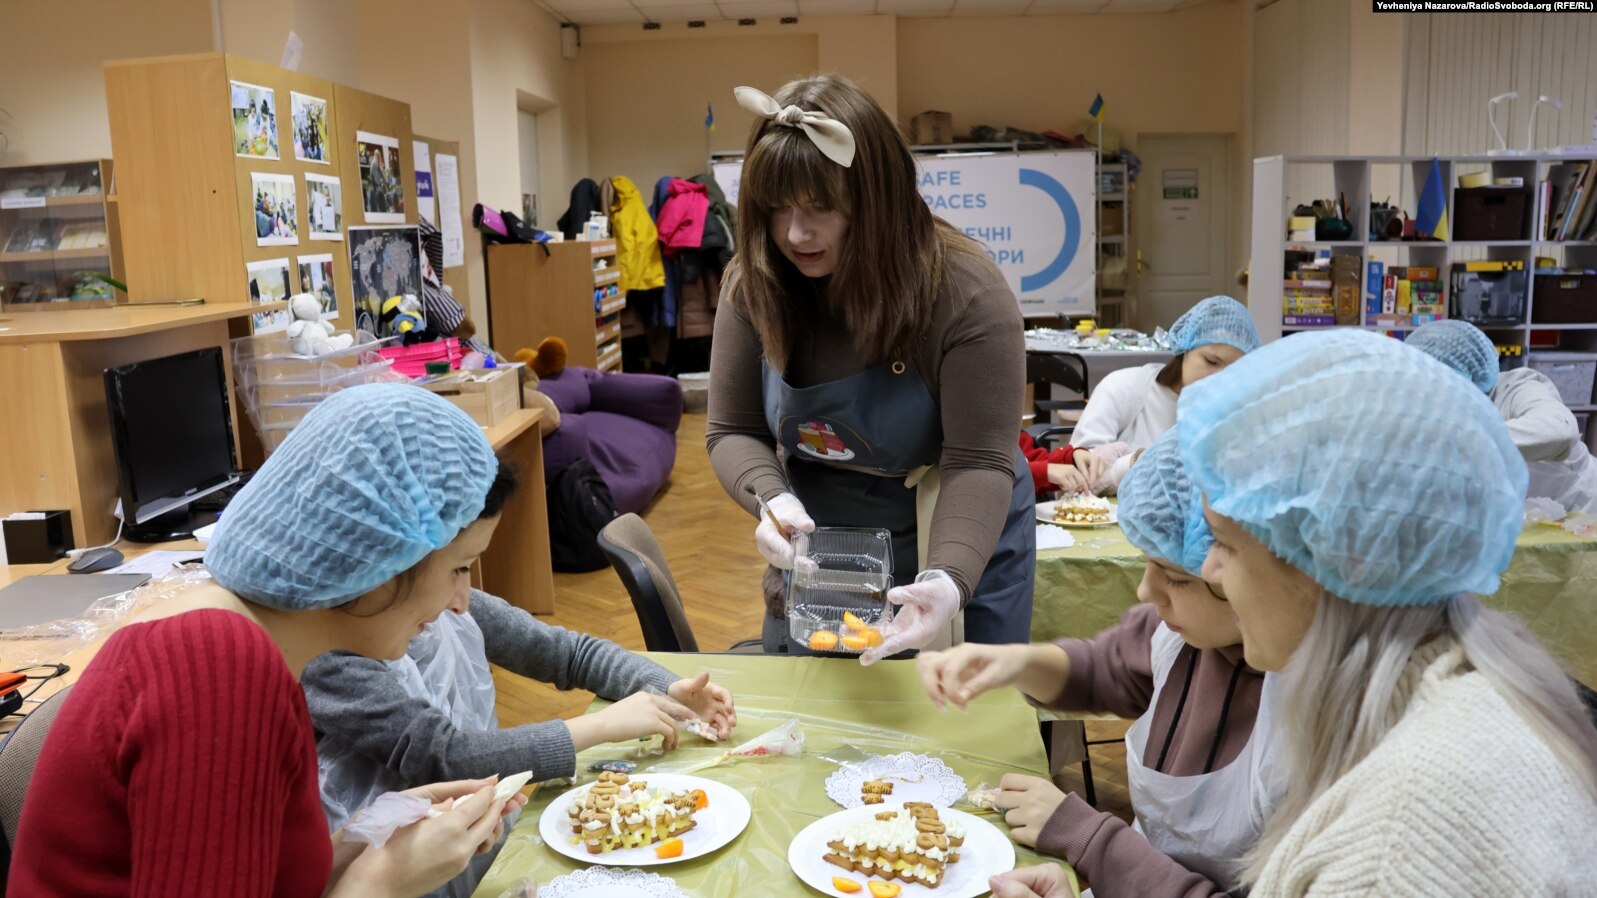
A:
(52, 641)
(785, 740)
(388, 812)
(1540, 510)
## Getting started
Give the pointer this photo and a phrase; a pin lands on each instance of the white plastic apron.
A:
(1209, 821)
(1571, 483)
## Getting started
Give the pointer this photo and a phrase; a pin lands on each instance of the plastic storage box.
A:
(1571, 372)
(1486, 296)
(837, 570)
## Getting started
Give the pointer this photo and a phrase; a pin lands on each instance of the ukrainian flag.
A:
(1097, 108)
(709, 117)
(1432, 217)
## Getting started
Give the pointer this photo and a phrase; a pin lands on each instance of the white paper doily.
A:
(914, 778)
(610, 882)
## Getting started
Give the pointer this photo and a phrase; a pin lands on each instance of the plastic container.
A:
(1571, 372)
(837, 570)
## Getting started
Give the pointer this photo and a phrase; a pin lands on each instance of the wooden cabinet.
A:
(568, 290)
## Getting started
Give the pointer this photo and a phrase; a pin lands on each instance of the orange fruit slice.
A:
(700, 800)
(854, 643)
(669, 848)
(873, 636)
(851, 621)
(823, 641)
(885, 889)
(845, 885)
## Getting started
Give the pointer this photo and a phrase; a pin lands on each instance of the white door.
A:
(527, 129)
(1183, 208)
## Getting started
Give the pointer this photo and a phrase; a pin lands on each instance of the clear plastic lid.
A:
(837, 589)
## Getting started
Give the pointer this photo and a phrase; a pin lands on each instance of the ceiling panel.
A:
(837, 7)
(684, 12)
(746, 9)
(1058, 7)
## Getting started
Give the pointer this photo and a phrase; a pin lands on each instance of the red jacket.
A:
(682, 217)
(1039, 459)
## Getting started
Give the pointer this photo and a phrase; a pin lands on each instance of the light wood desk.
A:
(55, 440)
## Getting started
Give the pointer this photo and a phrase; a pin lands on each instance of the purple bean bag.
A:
(625, 424)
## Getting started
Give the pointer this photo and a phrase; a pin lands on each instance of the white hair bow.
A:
(829, 135)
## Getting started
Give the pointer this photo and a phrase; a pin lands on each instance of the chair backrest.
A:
(636, 556)
(1066, 369)
(18, 756)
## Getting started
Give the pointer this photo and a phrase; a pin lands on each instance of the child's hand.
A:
(969, 669)
(1041, 881)
(1091, 466)
(1069, 479)
(1026, 803)
(711, 702)
(637, 716)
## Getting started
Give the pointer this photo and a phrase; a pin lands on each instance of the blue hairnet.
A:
(1362, 462)
(1461, 346)
(1218, 319)
(370, 482)
(1160, 510)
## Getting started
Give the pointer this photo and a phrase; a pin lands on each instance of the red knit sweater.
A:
(183, 763)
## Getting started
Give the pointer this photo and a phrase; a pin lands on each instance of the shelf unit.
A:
(33, 209)
(1283, 182)
(1114, 190)
(534, 293)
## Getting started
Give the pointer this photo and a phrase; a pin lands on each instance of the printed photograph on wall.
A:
(268, 282)
(310, 127)
(276, 209)
(324, 207)
(382, 191)
(383, 263)
(254, 120)
(316, 278)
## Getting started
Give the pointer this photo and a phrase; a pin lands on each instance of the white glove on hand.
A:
(924, 607)
(772, 542)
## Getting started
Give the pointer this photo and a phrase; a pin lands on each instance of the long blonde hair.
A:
(1346, 687)
(894, 261)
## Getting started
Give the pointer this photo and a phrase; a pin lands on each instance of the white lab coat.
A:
(1544, 431)
(1128, 406)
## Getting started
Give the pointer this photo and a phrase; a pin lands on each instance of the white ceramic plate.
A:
(1045, 514)
(986, 852)
(914, 778)
(718, 824)
(603, 882)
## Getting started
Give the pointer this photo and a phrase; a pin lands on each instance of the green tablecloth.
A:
(880, 709)
(1551, 585)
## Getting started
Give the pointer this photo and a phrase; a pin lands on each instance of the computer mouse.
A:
(95, 560)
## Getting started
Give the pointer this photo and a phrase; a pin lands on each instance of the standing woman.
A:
(866, 368)
(1431, 745)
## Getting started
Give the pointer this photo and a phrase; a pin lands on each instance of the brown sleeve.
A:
(742, 450)
(1115, 858)
(1112, 672)
(980, 379)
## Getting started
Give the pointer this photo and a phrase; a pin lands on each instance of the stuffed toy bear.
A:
(547, 360)
(308, 333)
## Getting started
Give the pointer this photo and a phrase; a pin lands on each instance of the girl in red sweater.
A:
(184, 762)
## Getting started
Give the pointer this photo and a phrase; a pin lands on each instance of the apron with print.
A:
(1209, 821)
(860, 452)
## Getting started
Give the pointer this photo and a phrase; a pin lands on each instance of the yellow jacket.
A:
(637, 242)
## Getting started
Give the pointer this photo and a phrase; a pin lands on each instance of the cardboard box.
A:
(1114, 220)
(487, 396)
(931, 127)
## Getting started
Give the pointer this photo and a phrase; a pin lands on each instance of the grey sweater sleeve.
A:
(359, 701)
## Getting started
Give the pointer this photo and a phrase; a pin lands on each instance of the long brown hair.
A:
(892, 264)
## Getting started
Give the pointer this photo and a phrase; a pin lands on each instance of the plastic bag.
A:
(446, 666)
(521, 888)
(983, 796)
(783, 740)
(697, 727)
(386, 813)
(1539, 510)
(52, 641)
(1581, 524)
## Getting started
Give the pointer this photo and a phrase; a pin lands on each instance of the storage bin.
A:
(1488, 297)
(1571, 372)
(488, 396)
(838, 570)
(1492, 213)
(1565, 297)
(695, 390)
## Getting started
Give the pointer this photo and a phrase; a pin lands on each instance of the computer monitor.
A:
(173, 439)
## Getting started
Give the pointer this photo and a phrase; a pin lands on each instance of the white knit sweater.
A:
(1460, 798)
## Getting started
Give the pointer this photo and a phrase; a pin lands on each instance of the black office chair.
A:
(635, 554)
(1044, 370)
(19, 754)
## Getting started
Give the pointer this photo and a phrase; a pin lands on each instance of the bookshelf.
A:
(1281, 183)
(533, 294)
(1114, 244)
(57, 232)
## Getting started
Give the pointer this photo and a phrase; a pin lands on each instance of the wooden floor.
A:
(709, 542)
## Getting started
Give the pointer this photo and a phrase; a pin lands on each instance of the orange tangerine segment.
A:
(700, 799)
(873, 636)
(884, 889)
(823, 641)
(854, 643)
(845, 885)
(852, 621)
(668, 849)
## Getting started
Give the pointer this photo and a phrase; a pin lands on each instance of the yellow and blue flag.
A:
(1097, 108)
(709, 117)
(1432, 218)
